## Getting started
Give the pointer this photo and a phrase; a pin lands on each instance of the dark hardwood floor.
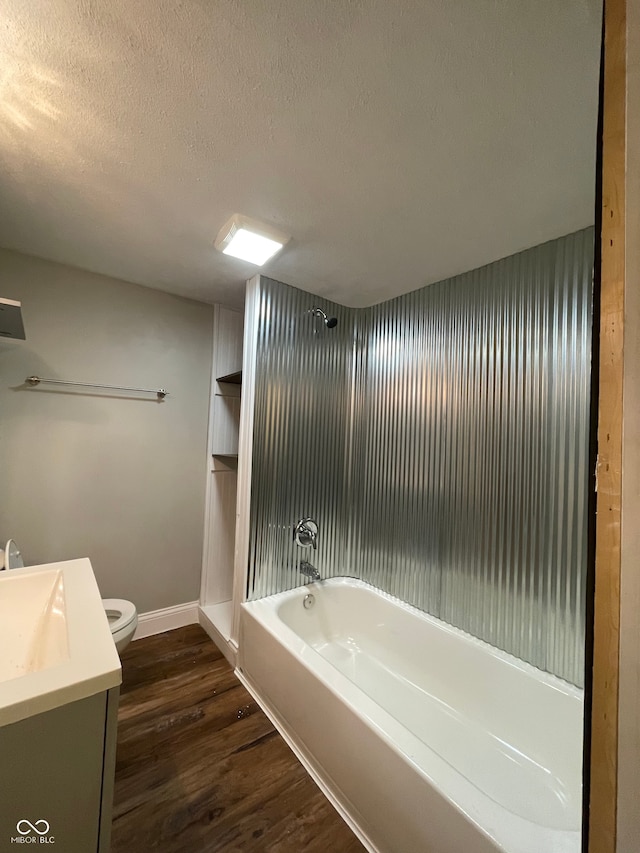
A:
(201, 769)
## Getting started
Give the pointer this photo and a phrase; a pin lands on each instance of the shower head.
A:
(330, 322)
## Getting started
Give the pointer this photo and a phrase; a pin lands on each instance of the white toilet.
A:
(123, 620)
(122, 615)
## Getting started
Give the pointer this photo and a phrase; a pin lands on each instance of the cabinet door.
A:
(51, 778)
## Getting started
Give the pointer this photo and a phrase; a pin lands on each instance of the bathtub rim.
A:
(548, 678)
(381, 722)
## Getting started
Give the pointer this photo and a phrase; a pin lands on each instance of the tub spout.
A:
(309, 571)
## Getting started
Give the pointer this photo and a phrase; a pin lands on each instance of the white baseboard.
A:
(159, 621)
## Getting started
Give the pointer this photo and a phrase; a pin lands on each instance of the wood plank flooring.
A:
(200, 769)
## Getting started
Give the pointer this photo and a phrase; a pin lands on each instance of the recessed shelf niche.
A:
(216, 605)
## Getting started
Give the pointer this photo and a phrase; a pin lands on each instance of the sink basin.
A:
(33, 623)
(55, 641)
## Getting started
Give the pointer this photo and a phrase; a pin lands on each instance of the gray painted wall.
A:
(90, 473)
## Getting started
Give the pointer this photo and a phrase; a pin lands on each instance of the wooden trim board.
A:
(604, 706)
(628, 795)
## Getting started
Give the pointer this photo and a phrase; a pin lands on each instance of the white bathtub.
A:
(426, 739)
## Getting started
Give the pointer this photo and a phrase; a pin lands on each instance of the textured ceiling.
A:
(397, 142)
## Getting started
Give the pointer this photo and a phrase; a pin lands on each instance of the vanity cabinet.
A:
(56, 777)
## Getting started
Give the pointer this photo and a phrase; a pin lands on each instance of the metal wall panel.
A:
(441, 440)
(301, 442)
(474, 402)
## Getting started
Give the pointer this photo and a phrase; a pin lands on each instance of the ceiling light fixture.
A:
(250, 240)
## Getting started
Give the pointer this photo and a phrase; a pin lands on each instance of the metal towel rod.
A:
(36, 380)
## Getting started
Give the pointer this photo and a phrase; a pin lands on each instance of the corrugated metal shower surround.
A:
(441, 442)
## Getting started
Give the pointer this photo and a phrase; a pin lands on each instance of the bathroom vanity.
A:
(59, 687)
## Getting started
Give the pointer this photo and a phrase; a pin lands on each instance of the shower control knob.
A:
(305, 533)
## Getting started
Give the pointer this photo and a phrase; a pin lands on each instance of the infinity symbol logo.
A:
(32, 827)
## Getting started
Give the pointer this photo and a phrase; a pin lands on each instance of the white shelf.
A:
(231, 378)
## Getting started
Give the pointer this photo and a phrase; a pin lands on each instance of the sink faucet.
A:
(309, 571)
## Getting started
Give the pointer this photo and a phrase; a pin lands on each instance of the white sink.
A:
(55, 642)
(33, 622)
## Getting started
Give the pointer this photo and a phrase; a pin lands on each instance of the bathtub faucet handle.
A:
(305, 533)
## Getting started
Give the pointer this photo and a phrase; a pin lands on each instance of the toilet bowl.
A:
(122, 615)
(123, 620)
